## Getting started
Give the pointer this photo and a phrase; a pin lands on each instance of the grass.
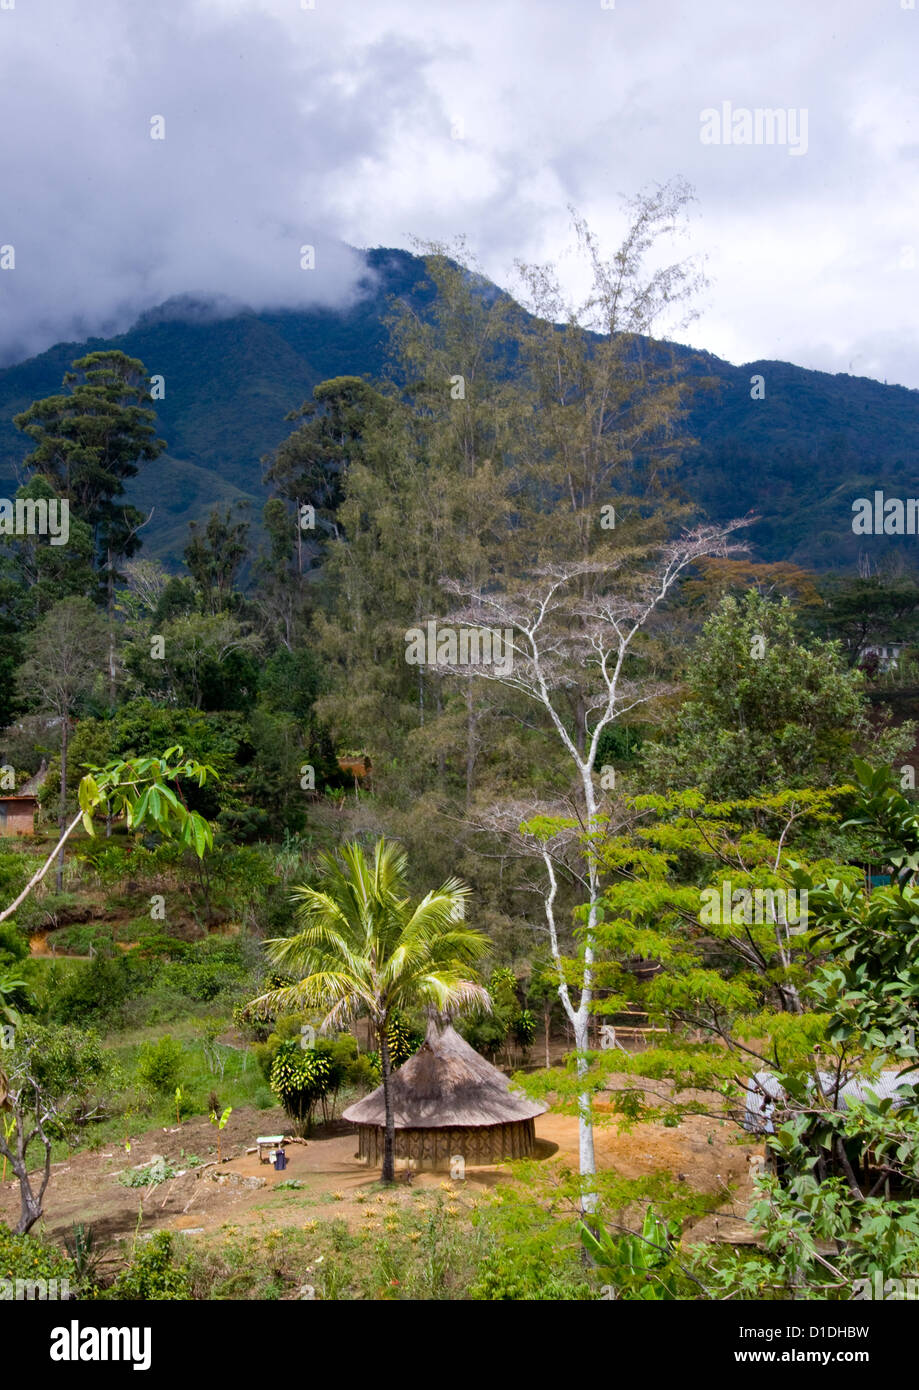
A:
(138, 1109)
(422, 1254)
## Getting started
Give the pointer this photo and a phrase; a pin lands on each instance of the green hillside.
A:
(798, 457)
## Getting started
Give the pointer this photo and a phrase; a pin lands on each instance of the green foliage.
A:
(30, 1257)
(637, 1266)
(765, 711)
(138, 789)
(13, 944)
(509, 1274)
(155, 1273)
(300, 1078)
(66, 1063)
(149, 1174)
(88, 443)
(95, 991)
(523, 1027)
(160, 1064)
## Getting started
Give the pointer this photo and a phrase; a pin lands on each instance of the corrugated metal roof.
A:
(763, 1090)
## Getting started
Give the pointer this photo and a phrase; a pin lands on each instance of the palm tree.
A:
(366, 950)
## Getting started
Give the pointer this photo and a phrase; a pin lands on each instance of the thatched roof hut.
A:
(448, 1102)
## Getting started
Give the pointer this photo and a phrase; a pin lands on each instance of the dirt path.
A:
(329, 1182)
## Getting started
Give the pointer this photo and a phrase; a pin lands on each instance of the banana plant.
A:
(221, 1124)
(639, 1267)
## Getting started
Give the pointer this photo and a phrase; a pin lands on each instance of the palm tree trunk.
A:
(389, 1141)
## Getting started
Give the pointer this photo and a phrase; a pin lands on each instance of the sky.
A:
(343, 124)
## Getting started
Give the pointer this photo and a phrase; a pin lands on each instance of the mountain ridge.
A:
(798, 457)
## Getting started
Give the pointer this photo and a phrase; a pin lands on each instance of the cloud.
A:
(357, 125)
(107, 221)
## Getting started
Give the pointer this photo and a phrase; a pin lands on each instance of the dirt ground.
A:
(245, 1193)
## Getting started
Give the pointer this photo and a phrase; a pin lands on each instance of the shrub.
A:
(29, 1257)
(509, 1274)
(523, 1028)
(154, 1273)
(300, 1078)
(78, 939)
(12, 942)
(159, 1064)
(97, 991)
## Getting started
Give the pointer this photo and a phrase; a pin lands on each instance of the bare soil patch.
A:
(329, 1182)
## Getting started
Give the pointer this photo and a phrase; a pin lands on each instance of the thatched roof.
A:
(34, 785)
(446, 1085)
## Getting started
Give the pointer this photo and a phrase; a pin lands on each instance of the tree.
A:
(765, 709)
(89, 441)
(209, 660)
(572, 655)
(306, 476)
(65, 658)
(215, 556)
(863, 610)
(307, 469)
(366, 950)
(606, 395)
(46, 1082)
(775, 1012)
(47, 1089)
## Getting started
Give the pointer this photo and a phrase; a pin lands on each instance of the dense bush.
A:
(78, 939)
(13, 943)
(159, 1064)
(300, 1077)
(154, 1274)
(29, 1257)
(303, 1078)
(96, 992)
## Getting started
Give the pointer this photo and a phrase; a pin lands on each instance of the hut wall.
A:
(17, 815)
(434, 1148)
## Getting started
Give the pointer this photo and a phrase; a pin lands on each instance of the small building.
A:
(764, 1094)
(18, 809)
(879, 657)
(766, 1101)
(448, 1102)
(17, 815)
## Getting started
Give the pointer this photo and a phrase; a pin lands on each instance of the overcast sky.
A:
(366, 124)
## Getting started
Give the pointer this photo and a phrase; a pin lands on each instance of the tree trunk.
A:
(471, 745)
(441, 756)
(111, 630)
(389, 1140)
(30, 1205)
(588, 1163)
(62, 805)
